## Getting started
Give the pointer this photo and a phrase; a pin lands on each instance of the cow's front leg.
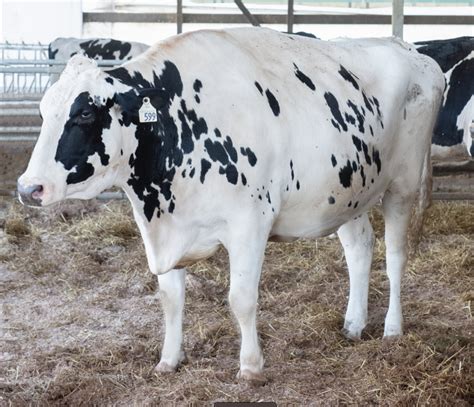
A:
(357, 239)
(246, 257)
(172, 287)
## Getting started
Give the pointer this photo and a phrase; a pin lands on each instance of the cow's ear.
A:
(130, 102)
(158, 97)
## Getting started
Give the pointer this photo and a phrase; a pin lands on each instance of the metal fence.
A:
(26, 71)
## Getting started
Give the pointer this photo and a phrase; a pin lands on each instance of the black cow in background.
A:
(95, 48)
(100, 49)
(454, 130)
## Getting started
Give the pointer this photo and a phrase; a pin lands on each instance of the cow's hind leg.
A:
(397, 212)
(172, 290)
(246, 252)
(357, 239)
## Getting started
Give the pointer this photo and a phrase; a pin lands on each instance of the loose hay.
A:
(81, 324)
(16, 228)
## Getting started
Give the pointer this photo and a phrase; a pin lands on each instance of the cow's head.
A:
(79, 150)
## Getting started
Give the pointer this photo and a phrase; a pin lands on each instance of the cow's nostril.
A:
(31, 194)
(37, 191)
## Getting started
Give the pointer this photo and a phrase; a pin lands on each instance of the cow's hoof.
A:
(391, 338)
(351, 335)
(164, 367)
(392, 332)
(252, 377)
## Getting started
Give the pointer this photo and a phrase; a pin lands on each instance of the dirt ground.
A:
(80, 320)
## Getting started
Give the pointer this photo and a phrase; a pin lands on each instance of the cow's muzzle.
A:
(30, 194)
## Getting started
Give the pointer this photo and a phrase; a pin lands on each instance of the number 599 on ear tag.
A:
(147, 113)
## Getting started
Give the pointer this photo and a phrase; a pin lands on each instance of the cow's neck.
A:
(166, 243)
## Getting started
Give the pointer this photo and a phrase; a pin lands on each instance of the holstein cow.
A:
(100, 49)
(454, 130)
(96, 48)
(233, 137)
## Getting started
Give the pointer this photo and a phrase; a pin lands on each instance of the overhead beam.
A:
(201, 18)
(248, 15)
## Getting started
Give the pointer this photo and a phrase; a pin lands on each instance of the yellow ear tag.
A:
(147, 113)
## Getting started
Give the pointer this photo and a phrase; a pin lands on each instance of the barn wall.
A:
(50, 19)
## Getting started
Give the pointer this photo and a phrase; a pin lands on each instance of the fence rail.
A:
(235, 18)
(26, 71)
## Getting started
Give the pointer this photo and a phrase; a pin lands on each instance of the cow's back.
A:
(297, 71)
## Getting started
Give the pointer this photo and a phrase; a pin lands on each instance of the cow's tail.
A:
(423, 203)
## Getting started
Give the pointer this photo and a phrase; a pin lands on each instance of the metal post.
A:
(179, 16)
(397, 18)
(290, 16)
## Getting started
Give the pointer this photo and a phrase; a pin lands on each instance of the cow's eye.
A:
(86, 114)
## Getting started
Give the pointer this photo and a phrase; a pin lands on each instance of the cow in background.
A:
(454, 130)
(99, 49)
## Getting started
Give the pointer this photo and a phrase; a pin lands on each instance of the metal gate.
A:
(24, 71)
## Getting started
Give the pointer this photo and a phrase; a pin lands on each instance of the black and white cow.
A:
(96, 48)
(100, 49)
(233, 137)
(454, 130)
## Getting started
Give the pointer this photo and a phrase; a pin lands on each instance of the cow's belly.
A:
(318, 220)
(198, 252)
